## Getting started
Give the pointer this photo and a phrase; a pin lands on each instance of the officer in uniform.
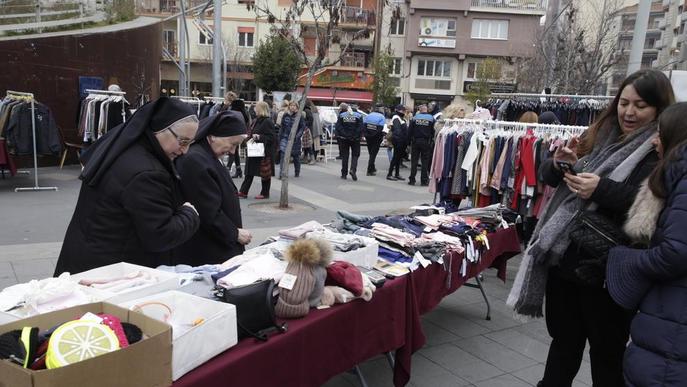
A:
(349, 127)
(420, 134)
(374, 133)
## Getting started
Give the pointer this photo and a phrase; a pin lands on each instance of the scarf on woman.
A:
(613, 159)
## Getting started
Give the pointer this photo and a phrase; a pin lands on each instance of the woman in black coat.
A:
(615, 156)
(206, 183)
(654, 280)
(263, 132)
(130, 206)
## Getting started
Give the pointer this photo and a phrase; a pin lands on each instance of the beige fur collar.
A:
(643, 215)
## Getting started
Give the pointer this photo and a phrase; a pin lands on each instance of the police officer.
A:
(420, 133)
(349, 127)
(374, 133)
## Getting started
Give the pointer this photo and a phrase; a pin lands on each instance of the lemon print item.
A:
(79, 340)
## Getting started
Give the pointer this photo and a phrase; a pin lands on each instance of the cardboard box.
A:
(192, 346)
(147, 363)
(167, 281)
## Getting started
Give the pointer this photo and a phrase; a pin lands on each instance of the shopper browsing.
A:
(374, 124)
(654, 280)
(606, 168)
(206, 183)
(130, 206)
(265, 133)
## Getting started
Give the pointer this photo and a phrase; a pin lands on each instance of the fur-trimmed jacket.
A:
(654, 281)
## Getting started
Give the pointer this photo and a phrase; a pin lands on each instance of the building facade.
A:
(242, 31)
(438, 45)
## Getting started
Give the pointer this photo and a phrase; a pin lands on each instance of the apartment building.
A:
(439, 45)
(672, 53)
(242, 31)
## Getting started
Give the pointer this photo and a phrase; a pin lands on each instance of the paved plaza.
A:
(463, 349)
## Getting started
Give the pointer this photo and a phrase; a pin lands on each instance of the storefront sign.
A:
(494, 87)
(438, 43)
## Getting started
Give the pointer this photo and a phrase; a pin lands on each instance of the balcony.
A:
(683, 16)
(537, 7)
(356, 16)
(662, 24)
(166, 7)
(657, 45)
(682, 38)
(666, 4)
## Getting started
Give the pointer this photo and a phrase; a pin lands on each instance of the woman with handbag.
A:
(600, 174)
(654, 280)
(263, 133)
(206, 183)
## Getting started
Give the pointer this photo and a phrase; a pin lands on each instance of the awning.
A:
(321, 94)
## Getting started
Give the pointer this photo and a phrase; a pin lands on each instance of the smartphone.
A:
(566, 167)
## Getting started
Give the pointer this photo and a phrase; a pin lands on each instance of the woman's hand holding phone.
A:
(566, 153)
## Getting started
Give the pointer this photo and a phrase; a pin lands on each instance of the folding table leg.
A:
(356, 370)
(390, 359)
(486, 299)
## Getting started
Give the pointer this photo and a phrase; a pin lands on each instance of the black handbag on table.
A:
(254, 308)
(595, 233)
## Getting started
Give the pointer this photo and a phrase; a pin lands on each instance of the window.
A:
(451, 28)
(489, 29)
(397, 26)
(246, 39)
(473, 71)
(438, 27)
(396, 66)
(169, 41)
(204, 40)
(434, 68)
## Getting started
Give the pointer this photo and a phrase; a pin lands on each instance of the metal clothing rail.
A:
(30, 97)
(533, 95)
(506, 125)
(193, 100)
(112, 93)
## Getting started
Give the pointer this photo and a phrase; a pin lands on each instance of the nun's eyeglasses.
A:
(181, 140)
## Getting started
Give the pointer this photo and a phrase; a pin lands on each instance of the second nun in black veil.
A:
(206, 183)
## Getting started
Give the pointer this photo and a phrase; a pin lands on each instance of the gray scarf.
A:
(612, 159)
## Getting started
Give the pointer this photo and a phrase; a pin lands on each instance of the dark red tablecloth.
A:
(331, 341)
(324, 344)
(431, 283)
(5, 160)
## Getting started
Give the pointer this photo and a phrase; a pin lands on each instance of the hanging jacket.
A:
(19, 131)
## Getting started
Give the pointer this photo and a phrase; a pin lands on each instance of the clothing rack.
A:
(192, 100)
(30, 97)
(111, 93)
(533, 95)
(519, 126)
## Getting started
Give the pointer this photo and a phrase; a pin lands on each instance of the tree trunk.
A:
(284, 194)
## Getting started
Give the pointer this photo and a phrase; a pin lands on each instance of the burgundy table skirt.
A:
(325, 343)
(6, 161)
(330, 341)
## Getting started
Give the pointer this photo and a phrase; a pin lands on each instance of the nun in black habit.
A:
(206, 183)
(130, 206)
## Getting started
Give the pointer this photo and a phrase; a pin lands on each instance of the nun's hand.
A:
(189, 205)
(244, 237)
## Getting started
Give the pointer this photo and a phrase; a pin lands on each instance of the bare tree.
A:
(574, 56)
(318, 19)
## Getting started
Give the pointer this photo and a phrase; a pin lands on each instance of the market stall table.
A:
(330, 341)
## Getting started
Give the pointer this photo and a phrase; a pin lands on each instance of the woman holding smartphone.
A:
(611, 159)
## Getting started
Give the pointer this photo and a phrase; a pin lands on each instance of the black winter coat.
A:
(134, 214)
(264, 128)
(206, 183)
(613, 198)
(656, 280)
(19, 131)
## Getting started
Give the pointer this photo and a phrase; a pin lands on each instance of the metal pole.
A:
(635, 62)
(38, 15)
(183, 36)
(217, 51)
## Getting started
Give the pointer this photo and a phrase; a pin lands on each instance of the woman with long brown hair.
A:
(600, 173)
